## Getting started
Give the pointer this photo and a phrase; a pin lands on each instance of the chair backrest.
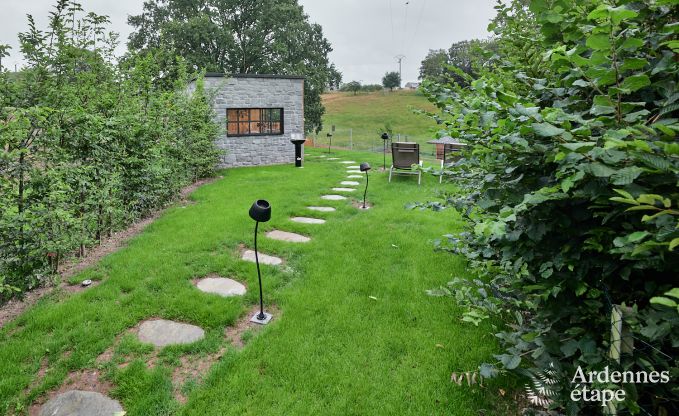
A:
(405, 155)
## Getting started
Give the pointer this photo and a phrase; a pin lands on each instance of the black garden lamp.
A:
(298, 140)
(365, 167)
(385, 139)
(329, 142)
(260, 212)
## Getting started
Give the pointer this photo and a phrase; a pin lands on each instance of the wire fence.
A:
(369, 141)
(630, 352)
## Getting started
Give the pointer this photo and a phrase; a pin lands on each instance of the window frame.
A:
(249, 121)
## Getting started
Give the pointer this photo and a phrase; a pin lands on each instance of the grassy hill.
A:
(367, 114)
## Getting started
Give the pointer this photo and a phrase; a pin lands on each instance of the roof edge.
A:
(271, 76)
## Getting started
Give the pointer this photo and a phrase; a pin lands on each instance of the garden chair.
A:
(404, 156)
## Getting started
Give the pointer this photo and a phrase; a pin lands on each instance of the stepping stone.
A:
(81, 403)
(333, 197)
(289, 237)
(305, 220)
(354, 177)
(349, 183)
(249, 255)
(221, 286)
(343, 189)
(161, 333)
(322, 209)
(353, 167)
(321, 156)
(354, 171)
(348, 162)
(333, 158)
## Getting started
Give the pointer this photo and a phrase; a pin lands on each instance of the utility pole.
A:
(399, 59)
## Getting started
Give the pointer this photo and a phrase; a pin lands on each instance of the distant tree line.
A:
(356, 87)
(89, 145)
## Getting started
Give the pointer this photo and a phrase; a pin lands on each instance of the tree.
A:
(391, 80)
(4, 51)
(240, 36)
(441, 65)
(353, 86)
(433, 65)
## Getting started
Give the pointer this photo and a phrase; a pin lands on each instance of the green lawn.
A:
(367, 113)
(354, 331)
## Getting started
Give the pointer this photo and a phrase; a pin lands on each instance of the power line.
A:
(419, 20)
(405, 29)
(391, 15)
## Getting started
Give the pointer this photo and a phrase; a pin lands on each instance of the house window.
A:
(254, 121)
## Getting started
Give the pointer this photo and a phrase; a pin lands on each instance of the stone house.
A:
(257, 115)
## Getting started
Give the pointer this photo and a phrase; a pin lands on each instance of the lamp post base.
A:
(256, 318)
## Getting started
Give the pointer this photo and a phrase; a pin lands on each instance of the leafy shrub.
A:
(571, 189)
(87, 145)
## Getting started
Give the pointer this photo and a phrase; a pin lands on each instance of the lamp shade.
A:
(365, 166)
(385, 136)
(260, 211)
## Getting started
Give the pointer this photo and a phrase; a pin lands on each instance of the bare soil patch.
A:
(359, 205)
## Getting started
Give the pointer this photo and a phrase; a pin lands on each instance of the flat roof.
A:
(222, 75)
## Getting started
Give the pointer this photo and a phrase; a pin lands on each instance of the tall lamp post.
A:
(260, 212)
(385, 139)
(365, 167)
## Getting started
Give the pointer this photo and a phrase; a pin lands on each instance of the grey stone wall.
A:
(241, 91)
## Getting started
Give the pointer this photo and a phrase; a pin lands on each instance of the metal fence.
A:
(367, 141)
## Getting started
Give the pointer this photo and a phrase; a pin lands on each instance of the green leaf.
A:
(600, 170)
(599, 42)
(632, 44)
(579, 147)
(626, 175)
(633, 64)
(547, 130)
(570, 348)
(674, 292)
(660, 300)
(509, 361)
(673, 244)
(635, 82)
(619, 14)
(637, 236)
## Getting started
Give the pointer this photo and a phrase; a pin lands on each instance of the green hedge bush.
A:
(88, 145)
(571, 191)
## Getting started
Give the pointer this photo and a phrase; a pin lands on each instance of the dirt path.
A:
(118, 240)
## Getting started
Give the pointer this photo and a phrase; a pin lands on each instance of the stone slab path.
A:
(286, 236)
(221, 286)
(348, 162)
(354, 171)
(161, 332)
(333, 197)
(343, 189)
(322, 209)
(249, 255)
(306, 220)
(353, 167)
(349, 183)
(81, 403)
(355, 177)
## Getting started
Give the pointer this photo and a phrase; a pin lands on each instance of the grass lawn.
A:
(367, 113)
(354, 332)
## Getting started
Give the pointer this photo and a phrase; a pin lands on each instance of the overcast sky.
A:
(366, 35)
